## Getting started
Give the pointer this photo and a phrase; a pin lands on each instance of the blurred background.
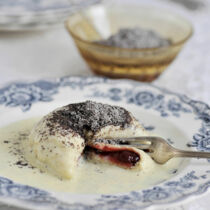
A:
(35, 44)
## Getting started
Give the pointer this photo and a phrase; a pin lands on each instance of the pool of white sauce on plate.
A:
(89, 178)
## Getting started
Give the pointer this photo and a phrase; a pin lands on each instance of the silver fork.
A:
(158, 148)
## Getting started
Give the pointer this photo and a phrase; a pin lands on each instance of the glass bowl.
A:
(100, 21)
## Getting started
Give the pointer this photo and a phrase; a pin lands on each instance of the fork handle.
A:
(183, 153)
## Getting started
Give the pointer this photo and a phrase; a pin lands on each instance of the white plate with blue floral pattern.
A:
(33, 14)
(184, 122)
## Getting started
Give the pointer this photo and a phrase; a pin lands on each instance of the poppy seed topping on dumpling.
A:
(60, 138)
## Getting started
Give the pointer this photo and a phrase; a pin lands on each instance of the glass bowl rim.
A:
(99, 45)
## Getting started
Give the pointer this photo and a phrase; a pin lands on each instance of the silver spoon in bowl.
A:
(157, 147)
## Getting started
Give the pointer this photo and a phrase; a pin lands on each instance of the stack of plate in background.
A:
(39, 14)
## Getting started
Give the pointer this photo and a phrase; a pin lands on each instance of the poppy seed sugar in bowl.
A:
(135, 38)
(128, 40)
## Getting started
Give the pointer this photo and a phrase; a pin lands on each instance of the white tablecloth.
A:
(51, 53)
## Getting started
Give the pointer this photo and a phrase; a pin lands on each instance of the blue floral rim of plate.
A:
(23, 14)
(24, 95)
(37, 7)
